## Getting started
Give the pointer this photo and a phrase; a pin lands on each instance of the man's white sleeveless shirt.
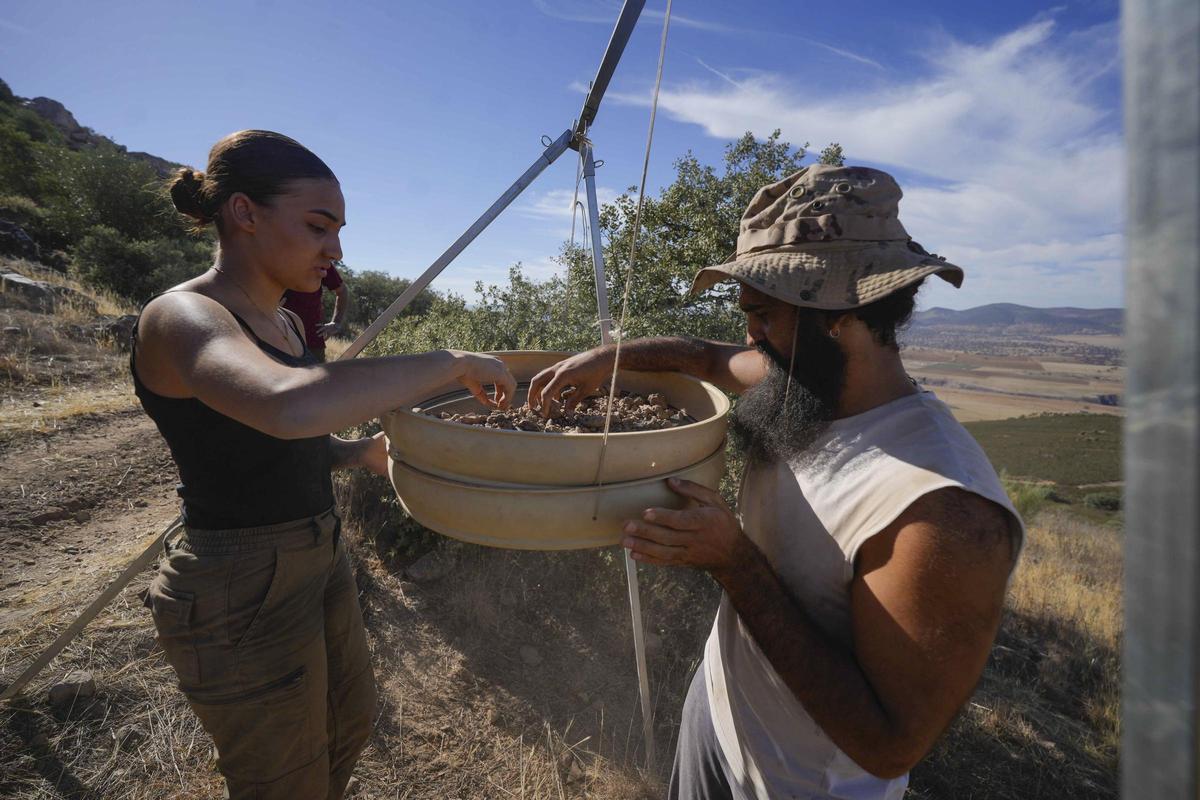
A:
(809, 518)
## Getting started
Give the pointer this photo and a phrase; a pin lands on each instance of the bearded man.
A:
(864, 574)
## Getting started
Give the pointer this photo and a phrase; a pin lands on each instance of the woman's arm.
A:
(191, 346)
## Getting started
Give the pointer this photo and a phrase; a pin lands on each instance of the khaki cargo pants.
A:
(263, 628)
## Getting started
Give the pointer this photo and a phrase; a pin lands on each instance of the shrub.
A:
(1102, 501)
(138, 269)
(1028, 498)
(21, 210)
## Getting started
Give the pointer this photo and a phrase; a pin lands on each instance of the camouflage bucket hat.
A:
(827, 237)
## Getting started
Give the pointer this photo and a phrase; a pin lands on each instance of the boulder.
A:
(118, 329)
(14, 241)
(530, 655)
(55, 113)
(432, 566)
(18, 291)
(77, 685)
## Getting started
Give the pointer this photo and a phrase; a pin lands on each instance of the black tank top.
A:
(231, 475)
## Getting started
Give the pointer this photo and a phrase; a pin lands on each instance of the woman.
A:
(255, 604)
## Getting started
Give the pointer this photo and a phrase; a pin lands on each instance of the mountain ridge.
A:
(1015, 318)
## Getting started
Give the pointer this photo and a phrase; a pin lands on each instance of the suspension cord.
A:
(571, 247)
(637, 224)
(635, 605)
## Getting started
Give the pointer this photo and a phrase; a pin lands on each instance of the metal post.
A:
(589, 178)
(626, 22)
(1161, 43)
(556, 149)
(631, 573)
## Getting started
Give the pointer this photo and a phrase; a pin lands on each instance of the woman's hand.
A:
(585, 373)
(369, 453)
(373, 454)
(478, 370)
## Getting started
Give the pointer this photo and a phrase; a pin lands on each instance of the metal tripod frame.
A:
(574, 138)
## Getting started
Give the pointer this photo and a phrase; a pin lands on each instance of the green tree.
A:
(832, 155)
(371, 292)
(691, 224)
(138, 268)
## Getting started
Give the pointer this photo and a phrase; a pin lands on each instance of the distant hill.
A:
(1010, 318)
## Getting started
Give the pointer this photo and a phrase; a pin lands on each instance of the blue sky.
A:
(1002, 121)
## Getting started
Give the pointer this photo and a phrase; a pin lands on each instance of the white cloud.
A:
(555, 204)
(591, 11)
(460, 279)
(1011, 159)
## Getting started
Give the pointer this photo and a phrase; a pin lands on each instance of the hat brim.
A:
(833, 277)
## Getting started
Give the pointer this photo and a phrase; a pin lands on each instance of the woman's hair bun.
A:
(188, 195)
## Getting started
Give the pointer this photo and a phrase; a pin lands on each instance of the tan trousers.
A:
(264, 631)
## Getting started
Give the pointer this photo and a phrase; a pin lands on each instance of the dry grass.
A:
(462, 715)
(51, 368)
(335, 346)
(135, 739)
(106, 302)
(1045, 720)
(459, 716)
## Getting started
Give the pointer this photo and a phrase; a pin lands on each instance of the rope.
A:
(575, 205)
(637, 224)
(635, 606)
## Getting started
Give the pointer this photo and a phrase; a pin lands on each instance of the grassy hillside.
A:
(1066, 458)
(1068, 449)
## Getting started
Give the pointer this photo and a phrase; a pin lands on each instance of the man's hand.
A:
(327, 329)
(705, 534)
(584, 373)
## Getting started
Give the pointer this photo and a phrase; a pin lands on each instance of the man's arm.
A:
(731, 367)
(341, 307)
(926, 601)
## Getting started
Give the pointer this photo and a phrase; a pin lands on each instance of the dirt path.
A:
(73, 504)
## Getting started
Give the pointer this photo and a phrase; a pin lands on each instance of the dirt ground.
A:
(501, 673)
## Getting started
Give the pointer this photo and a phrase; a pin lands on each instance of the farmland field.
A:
(995, 378)
(1067, 449)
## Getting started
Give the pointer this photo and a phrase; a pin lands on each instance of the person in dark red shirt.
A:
(307, 306)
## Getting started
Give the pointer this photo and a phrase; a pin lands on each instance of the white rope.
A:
(571, 247)
(635, 606)
(637, 223)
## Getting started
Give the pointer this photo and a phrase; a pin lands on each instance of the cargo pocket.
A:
(172, 613)
(274, 606)
(265, 732)
(254, 584)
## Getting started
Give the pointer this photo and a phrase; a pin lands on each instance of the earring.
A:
(835, 333)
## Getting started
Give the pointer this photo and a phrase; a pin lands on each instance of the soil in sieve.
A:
(631, 412)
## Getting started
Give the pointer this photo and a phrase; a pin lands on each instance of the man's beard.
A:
(773, 421)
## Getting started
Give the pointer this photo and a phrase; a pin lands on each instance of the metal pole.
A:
(608, 64)
(631, 573)
(589, 178)
(1161, 43)
(556, 149)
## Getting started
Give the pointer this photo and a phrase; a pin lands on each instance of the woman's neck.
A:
(257, 286)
